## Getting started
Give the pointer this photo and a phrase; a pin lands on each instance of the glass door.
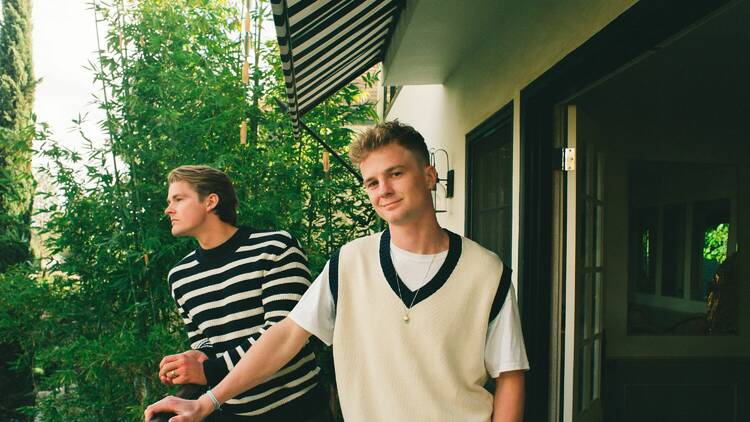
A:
(583, 271)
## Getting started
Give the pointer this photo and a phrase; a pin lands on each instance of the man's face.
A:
(186, 211)
(398, 184)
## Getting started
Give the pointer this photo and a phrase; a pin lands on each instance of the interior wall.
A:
(625, 140)
(670, 377)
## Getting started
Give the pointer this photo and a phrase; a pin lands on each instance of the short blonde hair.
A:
(387, 133)
(207, 180)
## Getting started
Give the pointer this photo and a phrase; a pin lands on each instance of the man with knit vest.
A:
(419, 317)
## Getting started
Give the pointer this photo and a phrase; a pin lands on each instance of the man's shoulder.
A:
(269, 237)
(188, 261)
(364, 241)
(473, 250)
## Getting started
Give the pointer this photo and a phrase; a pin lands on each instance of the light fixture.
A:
(444, 186)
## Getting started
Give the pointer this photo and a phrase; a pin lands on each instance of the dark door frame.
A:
(632, 35)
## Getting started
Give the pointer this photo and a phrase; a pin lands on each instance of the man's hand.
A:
(186, 410)
(183, 368)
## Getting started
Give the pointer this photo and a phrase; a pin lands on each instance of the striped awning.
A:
(326, 44)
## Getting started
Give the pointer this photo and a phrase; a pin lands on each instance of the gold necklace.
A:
(398, 285)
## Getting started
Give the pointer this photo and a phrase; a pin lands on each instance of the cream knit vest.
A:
(429, 369)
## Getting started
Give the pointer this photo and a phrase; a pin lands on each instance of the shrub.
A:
(95, 331)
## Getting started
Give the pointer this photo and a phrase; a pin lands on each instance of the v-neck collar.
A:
(432, 286)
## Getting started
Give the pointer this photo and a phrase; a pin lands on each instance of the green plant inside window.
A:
(715, 243)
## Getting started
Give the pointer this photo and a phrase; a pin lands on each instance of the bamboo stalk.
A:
(243, 132)
(245, 66)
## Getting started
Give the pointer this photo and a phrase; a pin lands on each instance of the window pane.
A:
(644, 242)
(590, 171)
(673, 267)
(710, 237)
(597, 303)
(490, 190)
(588, 221)
(584, 377)
(599, 235)
(587, 307)
(682, 244)
(600, 177)
(596, 368)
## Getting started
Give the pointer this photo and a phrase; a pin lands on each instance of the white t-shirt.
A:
(504, 348)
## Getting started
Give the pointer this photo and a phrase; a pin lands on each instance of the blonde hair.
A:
(207, 180)
(387, 133)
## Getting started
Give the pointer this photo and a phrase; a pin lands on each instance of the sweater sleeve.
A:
(285, 280)
(196, 337)
(198, 340)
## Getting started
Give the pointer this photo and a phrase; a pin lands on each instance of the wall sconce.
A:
(444, 186)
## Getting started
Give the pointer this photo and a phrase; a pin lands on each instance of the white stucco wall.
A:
(522, 40)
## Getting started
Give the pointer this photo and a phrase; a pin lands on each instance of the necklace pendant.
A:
(406, 318)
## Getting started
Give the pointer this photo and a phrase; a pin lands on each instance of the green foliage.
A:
(715, 243)
(54, 319)
(97, 329)
(19, 306)
(16, 190)
(16, 101)
(16, 71)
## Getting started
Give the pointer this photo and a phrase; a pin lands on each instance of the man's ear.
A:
(432, 176)
(211, 201)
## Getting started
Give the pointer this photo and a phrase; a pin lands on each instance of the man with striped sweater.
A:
(235, 285)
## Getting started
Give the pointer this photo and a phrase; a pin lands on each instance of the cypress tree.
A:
(16, 69)
(16, 132)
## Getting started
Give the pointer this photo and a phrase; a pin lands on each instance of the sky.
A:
(64, 40)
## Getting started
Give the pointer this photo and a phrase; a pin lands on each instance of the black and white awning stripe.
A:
(326, 44)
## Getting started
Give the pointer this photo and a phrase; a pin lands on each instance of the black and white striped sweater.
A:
(228, 296)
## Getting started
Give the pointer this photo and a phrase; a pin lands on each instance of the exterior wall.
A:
(530, 39)
(424, 107)
(493, 75)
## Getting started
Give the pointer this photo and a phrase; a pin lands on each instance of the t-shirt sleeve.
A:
(504, 349)
(316, 312)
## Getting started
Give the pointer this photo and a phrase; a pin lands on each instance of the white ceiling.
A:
(428, 45)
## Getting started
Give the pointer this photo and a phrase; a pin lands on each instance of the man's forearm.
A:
(277, 346)
(509, 397)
